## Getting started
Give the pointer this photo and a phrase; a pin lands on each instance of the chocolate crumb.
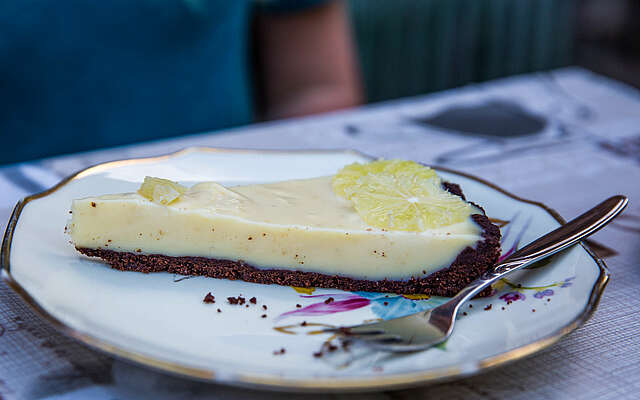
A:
(548, 299)
(279, 352)
(249, 238)
(298, 306)
(386, 303)
(253, 300)
(219, 310)
(487, 308)
(470, 305)
(93, 204)
(329, 300)
(209, 299)
(304, 323)
(464, 313)
(317, 354)
(70, 212)
(263, 316)
(236, 300)
(533, 310)
(264, 307)
(247, 306)
(264, 234)
(332, 347)
(503, 307)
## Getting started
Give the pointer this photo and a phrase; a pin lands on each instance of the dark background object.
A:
(497, 118)
(608, 38)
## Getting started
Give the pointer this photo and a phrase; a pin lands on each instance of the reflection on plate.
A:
(160, 320)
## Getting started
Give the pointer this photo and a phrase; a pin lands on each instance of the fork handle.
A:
(565, 236)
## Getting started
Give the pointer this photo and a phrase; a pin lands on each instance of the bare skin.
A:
(306, 62)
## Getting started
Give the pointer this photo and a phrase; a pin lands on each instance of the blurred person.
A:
(77, 75)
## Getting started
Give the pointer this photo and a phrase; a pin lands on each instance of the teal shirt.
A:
(78, 75)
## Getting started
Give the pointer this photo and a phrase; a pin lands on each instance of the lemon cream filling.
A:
(297, 224)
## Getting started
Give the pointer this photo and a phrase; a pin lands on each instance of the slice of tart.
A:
(386, 226)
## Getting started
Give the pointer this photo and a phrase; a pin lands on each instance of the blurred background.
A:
(402, 47)
(410, 47)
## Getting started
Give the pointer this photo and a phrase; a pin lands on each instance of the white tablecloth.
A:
(590, 149)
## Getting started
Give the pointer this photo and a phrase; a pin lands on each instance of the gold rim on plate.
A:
(273, 382)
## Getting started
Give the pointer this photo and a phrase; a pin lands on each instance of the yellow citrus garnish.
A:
(399, 195)
(162, 191)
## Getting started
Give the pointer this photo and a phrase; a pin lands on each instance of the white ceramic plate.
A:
(161, 321)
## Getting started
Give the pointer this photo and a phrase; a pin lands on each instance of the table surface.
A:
(588, 150)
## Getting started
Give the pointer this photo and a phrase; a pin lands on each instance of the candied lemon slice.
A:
(162, 191)
(399, 195)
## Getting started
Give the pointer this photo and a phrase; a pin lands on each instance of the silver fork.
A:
(428, 328)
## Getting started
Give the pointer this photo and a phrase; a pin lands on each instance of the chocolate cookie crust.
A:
(467, 266)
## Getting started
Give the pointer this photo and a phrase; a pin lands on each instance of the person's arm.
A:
(306, 62)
